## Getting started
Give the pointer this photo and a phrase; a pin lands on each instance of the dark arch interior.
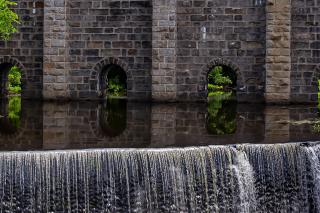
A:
(10, 80)
(114, 81)
(4, 72)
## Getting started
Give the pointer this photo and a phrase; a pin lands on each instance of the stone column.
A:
(278, 59)
(55, 53)
(164, 33)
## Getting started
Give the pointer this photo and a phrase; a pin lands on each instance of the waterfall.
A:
(313, 154)
(245, 175)
(246, 178)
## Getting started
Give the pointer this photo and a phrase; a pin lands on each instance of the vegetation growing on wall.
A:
(8, 19)
(14, 78)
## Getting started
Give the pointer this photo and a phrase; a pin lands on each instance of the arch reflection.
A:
(113, 117)
(10, 117)
(222, 115)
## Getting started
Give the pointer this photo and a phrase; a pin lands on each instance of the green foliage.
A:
(14, 109)
(8, 19)
(222, 114)
(212, 88)
(116, 87)
(216, 77)
(14, 78)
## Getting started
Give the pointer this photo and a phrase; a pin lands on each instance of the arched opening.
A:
(10, 80)
(222, 107)
(222, 81)
(113, 117)
(10, 87)
(113, 81)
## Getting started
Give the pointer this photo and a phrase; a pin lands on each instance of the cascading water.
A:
(246, 178)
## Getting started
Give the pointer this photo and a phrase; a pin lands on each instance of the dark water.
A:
(30, 125)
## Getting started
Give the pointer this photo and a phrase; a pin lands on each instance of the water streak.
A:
(246, 178)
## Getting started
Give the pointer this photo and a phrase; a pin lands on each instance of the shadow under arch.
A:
(100, 72)
(240, 84)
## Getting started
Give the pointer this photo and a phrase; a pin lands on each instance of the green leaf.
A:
(8, 19)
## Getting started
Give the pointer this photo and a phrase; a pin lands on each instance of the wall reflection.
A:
(121, 124)
(21, 124)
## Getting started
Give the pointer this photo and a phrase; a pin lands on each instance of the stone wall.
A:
(220, 32)
(95, 34)
(167, 47)
(25, 49)
(305, 50)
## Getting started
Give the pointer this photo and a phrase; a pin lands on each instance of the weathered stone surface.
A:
(167, 47)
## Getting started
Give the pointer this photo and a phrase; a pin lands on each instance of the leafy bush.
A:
(14, 78)
(216, 77)
(8, 19)
(116, 87)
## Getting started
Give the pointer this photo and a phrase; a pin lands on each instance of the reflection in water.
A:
(11, 115)
(222, 114)
(121, 124)
(113, 118)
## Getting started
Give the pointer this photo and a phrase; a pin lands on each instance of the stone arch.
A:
(221, 62)
(98, 68)
(16, 62)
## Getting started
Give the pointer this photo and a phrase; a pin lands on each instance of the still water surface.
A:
(31, 125)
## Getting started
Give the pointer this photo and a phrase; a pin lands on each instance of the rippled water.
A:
(244, 178)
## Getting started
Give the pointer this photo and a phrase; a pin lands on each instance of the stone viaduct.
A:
(167, 47)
